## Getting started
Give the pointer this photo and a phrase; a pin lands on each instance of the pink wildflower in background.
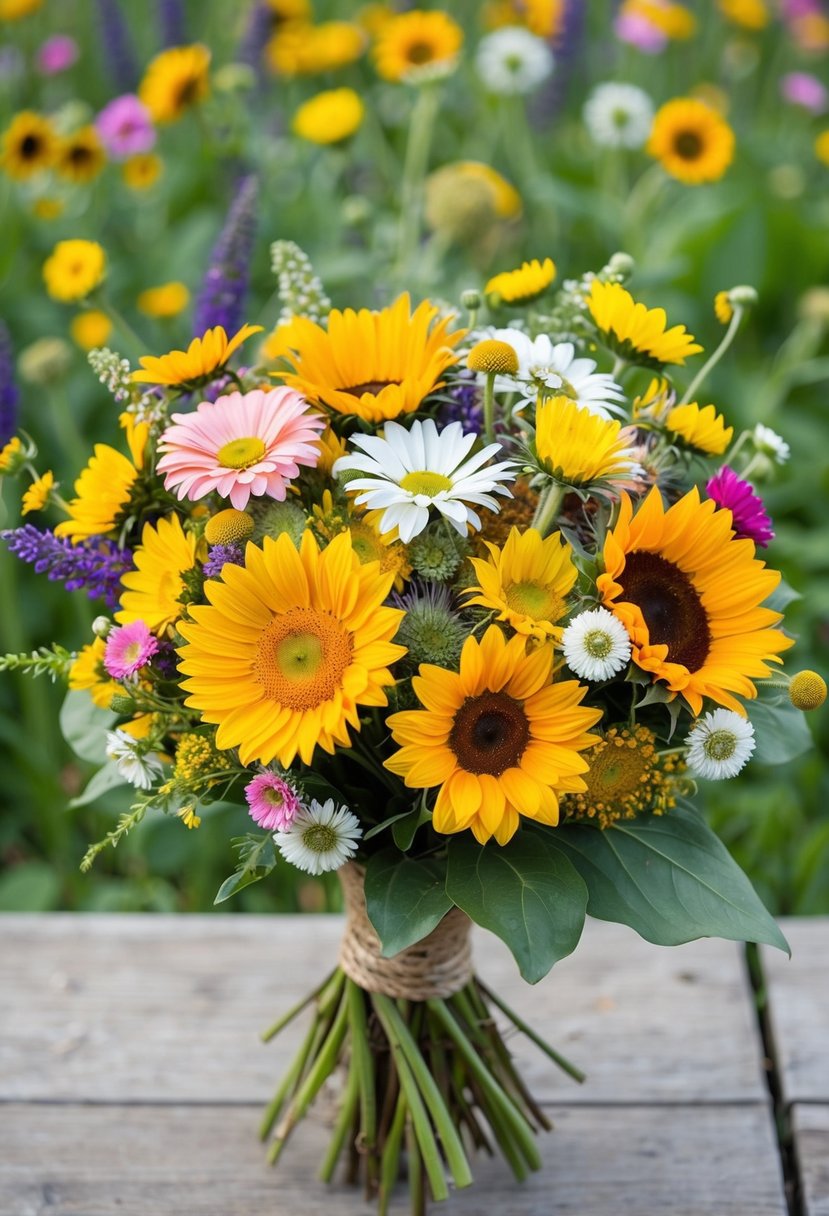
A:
(804, 89)
(273, 803)
(125, 127)
(56, 54)
(128, 649)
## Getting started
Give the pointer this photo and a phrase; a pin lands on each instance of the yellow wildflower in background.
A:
(74, 269)
(203, 357)
(330, 117)
(524, 285)
(37, 495)
(13, 10)
(418, 46)
(88, 673)
(750, 14)
(701, 428)
(90, 329)
(526, 583)
(47, 208)
(102, 492)
(153, 590)
(81, 156)
(540, 17)
(822, 146)
(692, 142)
(300, 49)
(466, 199)
(167, 300)
(142, 171)
(29, 145)
(675, 21)
(174, 81)
(635, 332)
(723, 309)
(12, 455)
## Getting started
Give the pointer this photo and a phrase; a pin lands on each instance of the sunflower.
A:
(750, 14)
(81, 156)
(496, 736)
(142, 171)
(102, 493)
(526, 583)
(521, 286)
(167, 300)
(376, 365)
(541, 17)
(153, 590)
(690, 594)
(579, 448)
(74, 269)
(90, 329)
(200, 362)
(418, 46)
(289, 647)
(88, 672)
(692, 141)
(367, 541)
(299, 48)
(38, 494)
(29, 145)
(626, 778)
(701, 428)
(329, 117)
(635, 332)
(174, 81)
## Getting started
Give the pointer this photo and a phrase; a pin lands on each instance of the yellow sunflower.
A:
(90, 329)
(142, 171)
(102, 492)
(12, 455)
(506, 199)
(299, 48)
(81, 156)
(700, 427)
(540, 17)
(692, 141)
(690, 596)
(153, 590)
(521, 286)
(13, 10)
(202, 359)
(750, 14)
(29, 145)
(329, 117)
(367, 541)
(88, 672)
(74, 269)
(499, 739)
(167, 300)
(526, 583)
(578, 448)
(289, 647)
(418, 45)
(635, 332)
(174, 81)
(37, 495)
(376, 365)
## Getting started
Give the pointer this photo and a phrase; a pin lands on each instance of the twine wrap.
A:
(437, 966)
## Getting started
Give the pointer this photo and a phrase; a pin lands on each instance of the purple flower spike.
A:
(97, 564)
(749, 515)
(9, 392)
(222, 297)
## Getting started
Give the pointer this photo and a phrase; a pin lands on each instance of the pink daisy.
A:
(748, 514)
(128, 648)
(273, 802)
(240, 445)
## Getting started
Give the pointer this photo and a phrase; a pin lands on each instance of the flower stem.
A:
(416, 163)
(528, 1031)
(489, 408)
(548, 508)
(709, 366)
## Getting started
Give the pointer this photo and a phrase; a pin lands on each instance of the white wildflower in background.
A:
(720, 745)
(618, 115)
(596, 645)
(513, 61)
(770, 443)
(135, 766)
(322, 837)
(545, 369)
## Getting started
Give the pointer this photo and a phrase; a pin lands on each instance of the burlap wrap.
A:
(437, 966)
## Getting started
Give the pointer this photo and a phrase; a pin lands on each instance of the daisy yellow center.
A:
(598, 643)
(132, 651)
(273, 797)
(490, 733)
(688, 145)
(532, 600)
(241, 453)
(302, 657)
(670, 605)
(319, 838)
(424, 482)
(720, 745)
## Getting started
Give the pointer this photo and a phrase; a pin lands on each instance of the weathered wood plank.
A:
(205, 1161)
(810, 1125)
(798, 996)
(159, 1008)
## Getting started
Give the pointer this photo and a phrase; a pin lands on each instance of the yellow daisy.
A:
(635, 332)
(167, 300)
(701, 428)
(142, 171)
(723, 309)
(675, 21)
(521, 286)
(90, 329)
(102, 492)
(136, 434)
(750, 14)
(376, 365)
(289, 647)
(692, 141)
(174, 81)
(330, 117)
(13, 10)
(540, 17)
(37, 495)
(29, 145)
(506, 199)
(690, 596)
(81, 156)
(822, 146)
(299, 48)
(527, 582)
(578, 448)
(153, 590)
(497, 736)
(202, 359)
(47, 208)
(417, 46)
(88, 672)
(12, 455)
(74, 269)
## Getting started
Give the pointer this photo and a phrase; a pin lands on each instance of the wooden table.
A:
(132, 1076)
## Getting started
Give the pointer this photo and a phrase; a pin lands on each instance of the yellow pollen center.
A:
(299, 655)
(534, 601)
(132, 651)
(301, 658)
(241, 453)
(720, 745)
(424, 482)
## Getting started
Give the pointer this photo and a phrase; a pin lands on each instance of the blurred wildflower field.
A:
(385, 149)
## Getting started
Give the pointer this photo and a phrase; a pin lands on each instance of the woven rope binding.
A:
(437, 966)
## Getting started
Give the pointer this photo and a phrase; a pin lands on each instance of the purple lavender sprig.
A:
(257, 32)
(221, 300)
(172, 22)
(118, 47)
(9, 392)
(466, 404)
(220, 555)
(566, 45)
(96, 565)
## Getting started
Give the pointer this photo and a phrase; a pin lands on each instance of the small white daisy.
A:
(135, 766)
(618, 115)
(720, 744)
(322, 837)
(596, 645)
(410, 472)
(771, 444)
(544, 368)
(513, 61)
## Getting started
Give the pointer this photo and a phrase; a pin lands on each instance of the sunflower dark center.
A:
(30, 147)
(688, 145)
(671, 606)
(188, 92)
(80, 156)
(420, 52)
(368, 386)
(490, 733)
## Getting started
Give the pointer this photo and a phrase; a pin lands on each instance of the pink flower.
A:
(56, 54)
(128, 648)
(803, 89)
(125, 127)
(241, 445)
(641, 33)
(273, 802)
(749, 517)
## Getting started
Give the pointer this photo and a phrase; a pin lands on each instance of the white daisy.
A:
(596, 645)
(135, 766)
(322, 837)
(720, 744)
(618, 115)
(512, 60)
(544, 368)
(771, 444)
(409, 472)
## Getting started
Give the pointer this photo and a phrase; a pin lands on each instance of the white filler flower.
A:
(720, 744)
(544, 368)
(513, 61)
(770, 443)
(140, 769)
(322, 837)
(618, 115)
(411, 472)
(596, 645)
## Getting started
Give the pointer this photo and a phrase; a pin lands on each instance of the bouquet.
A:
(460, 603)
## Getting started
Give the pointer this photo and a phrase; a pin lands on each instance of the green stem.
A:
(548, 508)
(282, 1022)
(489, 408)
(421, 125)
(288, 1081)
(362, 1062)
(390, 1162)
(123, 326)
(528, 1031)
(709, 366)
(348, 1106)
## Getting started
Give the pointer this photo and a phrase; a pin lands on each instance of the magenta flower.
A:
(273, 803)
(639, 32)
(56, 54)
(128, 649)
(749, 517)
(125, 127)
(803, 89)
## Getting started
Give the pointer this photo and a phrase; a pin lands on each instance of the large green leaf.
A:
(85, 726)
(405, 899)
(106, 779)
(780, 730)
(527, 892)
(670, 878)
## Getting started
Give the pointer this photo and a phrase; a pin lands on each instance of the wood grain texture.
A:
(161, 1008)
(810, 1125)
(205, 1161)
(798, 1004)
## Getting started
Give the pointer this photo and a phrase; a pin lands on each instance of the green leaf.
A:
(106, 778)
(85, 726)
(670, 878)
(780, 730)
(405, 899)
(257, 857)
(527, 892)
